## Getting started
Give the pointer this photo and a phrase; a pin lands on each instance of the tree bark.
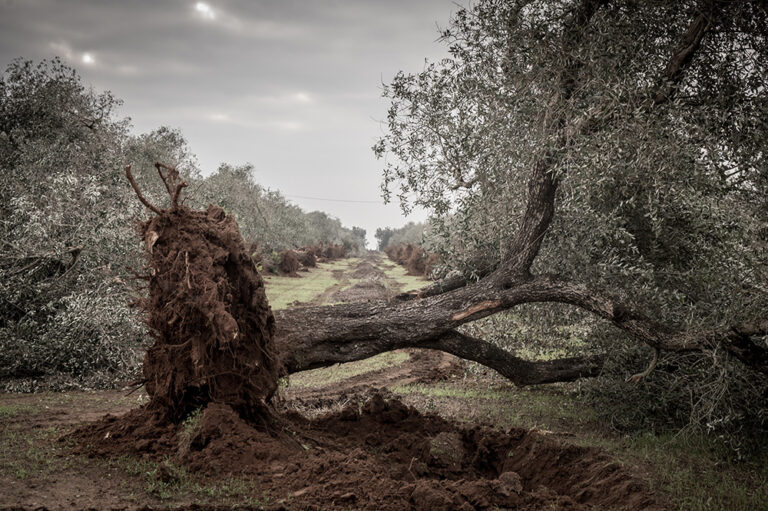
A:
(314, 337)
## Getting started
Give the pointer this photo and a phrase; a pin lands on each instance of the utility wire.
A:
(334, 200)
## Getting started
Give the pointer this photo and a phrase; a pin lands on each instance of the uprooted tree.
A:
(206, 309)
(575, 135)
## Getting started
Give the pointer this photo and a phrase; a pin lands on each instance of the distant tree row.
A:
(65, 216)
(412, 233)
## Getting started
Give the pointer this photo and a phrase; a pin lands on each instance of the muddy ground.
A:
(404, 430)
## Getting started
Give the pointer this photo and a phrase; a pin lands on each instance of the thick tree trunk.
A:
(313, 337)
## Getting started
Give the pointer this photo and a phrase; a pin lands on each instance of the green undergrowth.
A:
(328, 375)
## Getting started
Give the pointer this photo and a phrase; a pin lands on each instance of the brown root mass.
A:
(330, 252)
(307, 258)
(382, 455)
(413, 258)
(289, 263)
(208, 314)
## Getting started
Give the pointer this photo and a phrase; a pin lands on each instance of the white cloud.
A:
(302, 97)
(205, 10)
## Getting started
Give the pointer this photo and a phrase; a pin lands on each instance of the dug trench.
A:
(212, 373)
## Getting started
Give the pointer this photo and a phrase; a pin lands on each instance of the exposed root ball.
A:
(208, 314)
(307, 258)
(413, 258)
(289, 263)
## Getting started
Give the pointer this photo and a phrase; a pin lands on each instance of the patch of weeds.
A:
(32, 453)
(167, 480)
(190, 424)
(230, 488)
(12, 410)
(327, 375)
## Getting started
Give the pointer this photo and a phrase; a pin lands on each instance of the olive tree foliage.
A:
(412, 232)
(266, 217)
(661, 165)
(63, 227)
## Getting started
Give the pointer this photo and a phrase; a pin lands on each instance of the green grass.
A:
(284, 291)
(32, 454)
(12, 410)
(167, 480)
(696, 474)
(327, 375)
(504, 406)
(191, 423)
(400, 276)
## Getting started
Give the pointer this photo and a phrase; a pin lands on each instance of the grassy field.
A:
(312, 285)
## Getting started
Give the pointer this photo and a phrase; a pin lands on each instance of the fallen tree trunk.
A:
(314, 337)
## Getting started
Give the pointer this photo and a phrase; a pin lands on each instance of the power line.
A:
(334, 200)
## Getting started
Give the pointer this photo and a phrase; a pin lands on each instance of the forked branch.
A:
(172, 181)
(136, 189)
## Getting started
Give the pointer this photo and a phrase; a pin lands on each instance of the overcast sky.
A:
(293, 87)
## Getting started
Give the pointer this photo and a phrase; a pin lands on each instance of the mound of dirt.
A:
(381, 455)
(365, 270)
(365, 291)
(207, 312)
